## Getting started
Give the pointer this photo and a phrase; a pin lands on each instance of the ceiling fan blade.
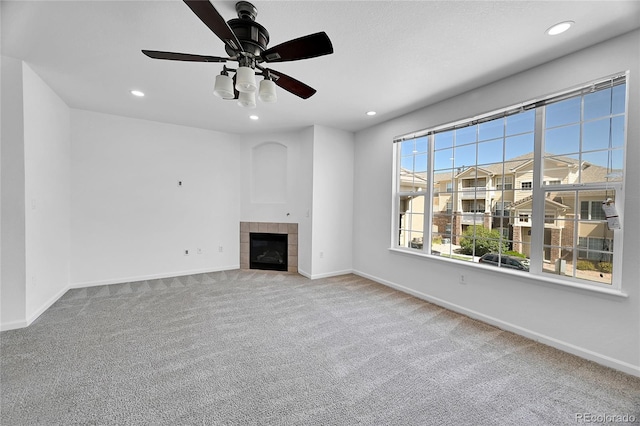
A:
(172, 56)
(292, 85)
(216, 23)
(306, 47)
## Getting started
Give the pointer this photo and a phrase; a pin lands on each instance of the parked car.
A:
(510, 262)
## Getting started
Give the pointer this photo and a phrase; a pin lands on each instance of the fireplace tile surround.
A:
(291, 229)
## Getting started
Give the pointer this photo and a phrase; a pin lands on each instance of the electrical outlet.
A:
(321, 255)
(186, 252)
(220, 249)
(199, 251)
(463, 279)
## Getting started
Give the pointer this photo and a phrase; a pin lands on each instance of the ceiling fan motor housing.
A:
(253, 36)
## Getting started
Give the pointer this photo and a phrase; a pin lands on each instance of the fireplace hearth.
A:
(271, 258)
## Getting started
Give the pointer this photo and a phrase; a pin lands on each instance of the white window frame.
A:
(540, 191)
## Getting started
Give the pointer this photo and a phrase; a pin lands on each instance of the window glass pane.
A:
(406, 147)
(411, 221)
(602, 166)
(519, 146)
(443, 180)
(597, 104)
(558, 260)
(443, 203)
(595, 254)
(420, 164)
(464, 156)
(617, 132)
(619, 99)
(478, 240)
(562, 140)
(491, 129)
(564, 112)
(565, 168)
(490, 152)
(444, 140)
(596, 135)
(441, 240)
(421, 144)
(443, 159)
(465, 135)
(406, 163)
(521, 123)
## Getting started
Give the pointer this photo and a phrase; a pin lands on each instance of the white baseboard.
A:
(325, 275)
(304, 273)
(13, 325)
(34, 316)
(605, 360)
(151, 277)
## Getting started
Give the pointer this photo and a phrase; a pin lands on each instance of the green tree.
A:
(478, 240)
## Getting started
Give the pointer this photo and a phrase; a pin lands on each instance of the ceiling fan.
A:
(246, 42)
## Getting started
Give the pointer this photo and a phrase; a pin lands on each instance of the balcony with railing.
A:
(471, 218)
(473, 193)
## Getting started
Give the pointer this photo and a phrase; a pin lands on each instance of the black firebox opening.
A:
(268, 251)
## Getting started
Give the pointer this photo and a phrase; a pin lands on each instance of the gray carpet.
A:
(246, 347)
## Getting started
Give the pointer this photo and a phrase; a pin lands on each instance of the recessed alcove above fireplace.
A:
(274, 244)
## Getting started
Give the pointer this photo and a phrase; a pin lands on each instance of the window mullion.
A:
(428, 202)
(537, 208)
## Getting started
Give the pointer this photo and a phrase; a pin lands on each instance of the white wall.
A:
(596, 326)
(294, 206)
(319, 193)
(35, 195)
(12, 285)
(47, 196)
(129, 218)
(332, 211)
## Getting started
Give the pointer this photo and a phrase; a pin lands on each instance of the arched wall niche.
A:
(269, 173)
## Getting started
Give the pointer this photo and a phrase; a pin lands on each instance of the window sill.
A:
(535, 278)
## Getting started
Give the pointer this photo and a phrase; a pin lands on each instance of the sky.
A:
(591, 125)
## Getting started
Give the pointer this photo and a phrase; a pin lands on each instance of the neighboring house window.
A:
(547, 203)
(504, 182)
(594, 248)
(592, 210)
(523, 218)
(501, 209)
(449, 207)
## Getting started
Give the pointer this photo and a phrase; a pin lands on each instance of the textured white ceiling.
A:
(390, 56)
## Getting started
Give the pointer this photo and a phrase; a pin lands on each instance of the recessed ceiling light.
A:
(371, 113)
(560, 28)
(254, 117)
(137, 93)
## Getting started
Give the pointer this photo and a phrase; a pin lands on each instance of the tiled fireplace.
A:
(289, 229)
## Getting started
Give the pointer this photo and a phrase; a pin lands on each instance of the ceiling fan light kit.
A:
(224, 87)
(267, 92)
(245, 80)
(247, 99)
(246, 43)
